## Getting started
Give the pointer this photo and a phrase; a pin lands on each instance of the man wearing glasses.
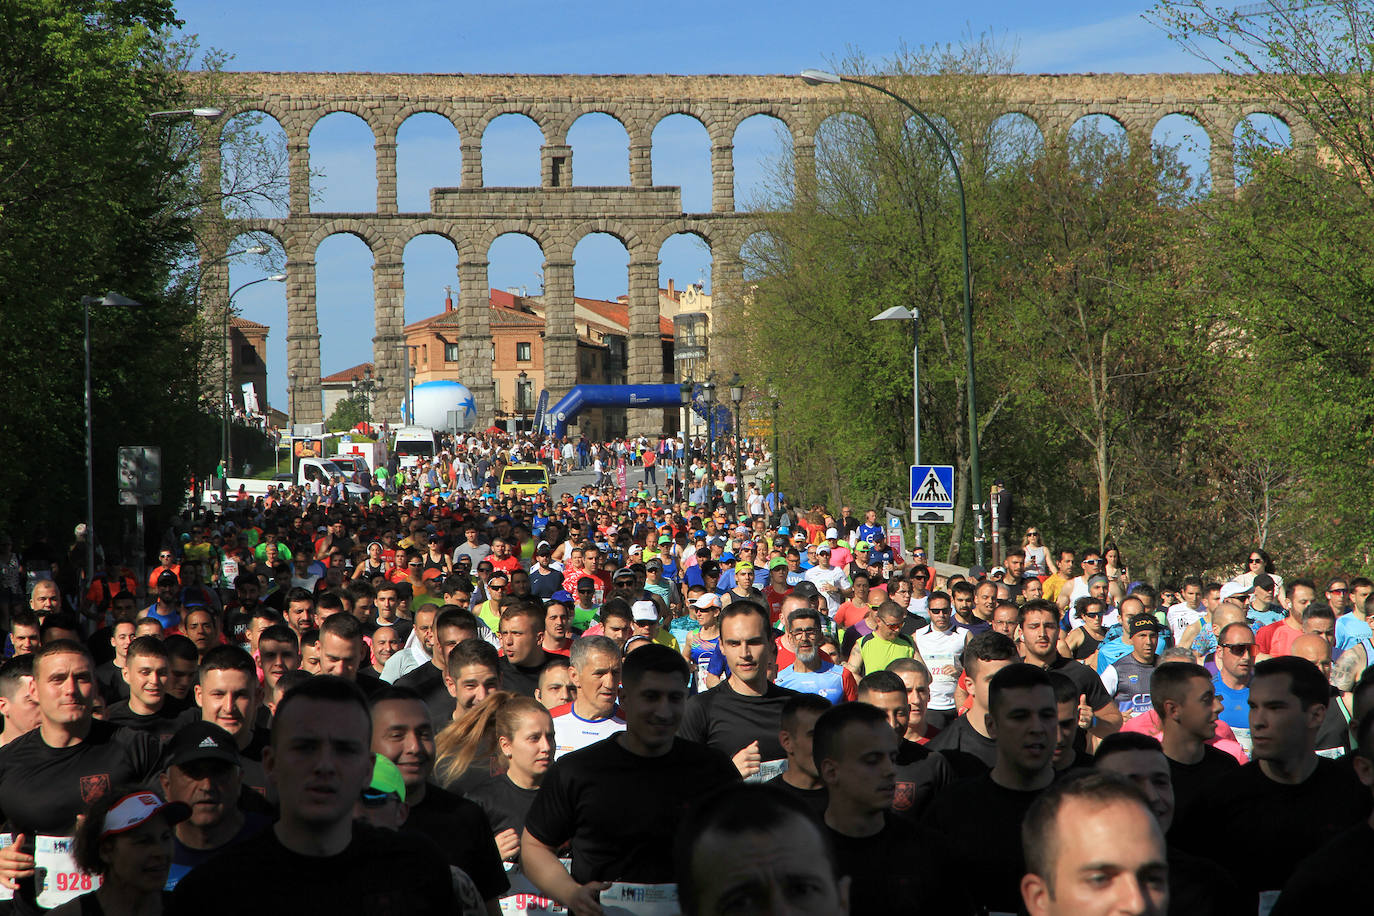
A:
(1236, 651)
(1071, 591)
(941, 644)
(167, 562)
(810, 671)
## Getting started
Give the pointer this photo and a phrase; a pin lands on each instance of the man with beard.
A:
(810, 671)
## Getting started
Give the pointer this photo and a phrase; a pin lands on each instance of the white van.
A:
(413, 443)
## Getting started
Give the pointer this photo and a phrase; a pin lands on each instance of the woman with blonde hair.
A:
(519, 730)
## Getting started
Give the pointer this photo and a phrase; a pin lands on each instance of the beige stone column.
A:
(560, 329)
(298, 166)
(384, 151)
(556, 165)
(305, 404)
(474, 341)
(723, 178)
(471, 165)
(641, 161)
(1222, 164)
(388, 344)
(645, 349)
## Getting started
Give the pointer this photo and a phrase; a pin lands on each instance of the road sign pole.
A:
(916, 398)
(139, 558)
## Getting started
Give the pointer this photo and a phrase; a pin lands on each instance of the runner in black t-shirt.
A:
(921, 773)
(1286, 796)
(522, 637)
(451, 627)
(1040, 637)
(886, 857)
(402, 732)
(1184, 698)
(798, 726)
(1196, 884)
(50, 775)
(740, 716)
(971, 751)
(329, 863)
(618, 802)
(1327, 880)
(984, 813)
(147, 668)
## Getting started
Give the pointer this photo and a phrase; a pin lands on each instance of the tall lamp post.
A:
(366, 386)
(685, 389)
(708, 388)
(819, 77)
(777, 485)
(520, 399)
(109, 300)
(736, 398)
(225, 448)
(900, 313)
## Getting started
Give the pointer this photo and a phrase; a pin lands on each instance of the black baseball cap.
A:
(201, 741)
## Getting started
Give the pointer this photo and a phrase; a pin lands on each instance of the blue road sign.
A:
(932, 486)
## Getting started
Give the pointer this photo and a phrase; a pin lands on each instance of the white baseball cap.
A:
(831, 534)
(644, 611)
(135, 809)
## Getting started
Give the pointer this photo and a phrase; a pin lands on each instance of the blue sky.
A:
(575, 36)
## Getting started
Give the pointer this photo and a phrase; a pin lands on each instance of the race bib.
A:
(524, 899)
(1243, 739)
(767, 770)
(57, 878)
(625, 899)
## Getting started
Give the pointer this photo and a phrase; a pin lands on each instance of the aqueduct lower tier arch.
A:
(558, 215)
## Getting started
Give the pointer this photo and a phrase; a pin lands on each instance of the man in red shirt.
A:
(166, 559)
(777, 590)
(1277, 638)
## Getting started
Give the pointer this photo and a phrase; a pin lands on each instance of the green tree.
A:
(348, 413)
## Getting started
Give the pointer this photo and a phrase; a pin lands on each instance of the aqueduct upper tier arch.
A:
(558, 214)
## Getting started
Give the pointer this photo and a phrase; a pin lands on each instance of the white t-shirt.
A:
(574, 732)
(1180, 617)
(942, 652)
(834, 576)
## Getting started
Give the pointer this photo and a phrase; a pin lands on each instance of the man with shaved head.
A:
(1333, 739)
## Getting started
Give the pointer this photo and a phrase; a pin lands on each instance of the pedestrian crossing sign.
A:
(932, 486)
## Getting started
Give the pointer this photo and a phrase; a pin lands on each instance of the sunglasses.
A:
(1094, 615)
(1031, 534)
(1092, 562)
(1240, 648)
(1256, 560)
(1336, 591)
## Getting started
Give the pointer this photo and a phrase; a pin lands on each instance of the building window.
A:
(522, 351)
(247, 355)
(450, 353)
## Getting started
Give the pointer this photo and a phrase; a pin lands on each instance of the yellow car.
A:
(524, 479)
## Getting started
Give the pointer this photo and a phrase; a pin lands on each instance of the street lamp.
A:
(109, 300)
(225, 447)
(777, 485)
(737, 397)
(685, 389)
(520, 397)
(708, 388)
(366, 386)
(819, 77)
(208, 113)
(900, 313)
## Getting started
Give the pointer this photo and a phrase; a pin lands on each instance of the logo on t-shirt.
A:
(94, 788)
(905, 796)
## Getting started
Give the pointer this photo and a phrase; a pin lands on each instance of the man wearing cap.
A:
(1128, 678)
(1262, 610)
(647, 623)
(203, 772)
(51, 774)
(830, 581)
(545, 580)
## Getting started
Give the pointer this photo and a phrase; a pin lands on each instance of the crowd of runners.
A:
(676, 696)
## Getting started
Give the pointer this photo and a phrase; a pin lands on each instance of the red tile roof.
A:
(347, 375)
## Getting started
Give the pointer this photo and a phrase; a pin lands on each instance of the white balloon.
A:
(433, 401)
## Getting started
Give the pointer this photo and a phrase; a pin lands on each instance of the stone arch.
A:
(593, 155)
(777, 110)
(346, 160)
(1186, 134)
(445, 229)
(497, 168)
(1258, 128)
(440, 107)
(536, 113)
(254, 172)
(663, 149)
(361, 109)
(252, 354)
(1097, 121)
(363, 229)
(702, 229)
(755, 187)
(341, 307)
(537, 231)
(621, 231)
(419, 139)
(1010, 136)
